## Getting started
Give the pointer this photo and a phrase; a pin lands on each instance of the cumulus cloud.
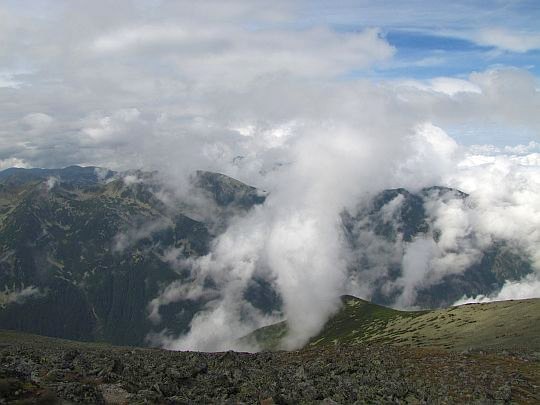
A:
(432, 153)
(506, 191)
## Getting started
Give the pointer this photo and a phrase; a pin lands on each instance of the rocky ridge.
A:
(48, 371)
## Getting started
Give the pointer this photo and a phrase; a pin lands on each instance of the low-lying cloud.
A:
(296, 238)
(529, 287)
(20, 296)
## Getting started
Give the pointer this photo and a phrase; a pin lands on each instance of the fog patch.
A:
(21, 296)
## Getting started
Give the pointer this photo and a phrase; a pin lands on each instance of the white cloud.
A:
(432, 154)
(8, 80)
(452, 86)
(13, 162)
(113, 128)
(503, 192)
(38, 122)
(528, 151)
(446, 85)
(51, 182)
(141, 36)
(20, 296)
(416, 266)
(529, 287)
(134, 234)
(507, 40)
(226, 52)
(175, 292)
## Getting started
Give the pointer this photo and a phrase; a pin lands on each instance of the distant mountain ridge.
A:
(397, 215)
(75, 175)
(83, 250)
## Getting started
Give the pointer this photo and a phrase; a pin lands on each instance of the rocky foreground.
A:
(38, 370)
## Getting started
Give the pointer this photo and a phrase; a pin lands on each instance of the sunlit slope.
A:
(504, 325)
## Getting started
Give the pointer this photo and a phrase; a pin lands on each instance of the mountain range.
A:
(83, 250)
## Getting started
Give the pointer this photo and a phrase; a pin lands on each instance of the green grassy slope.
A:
(358, 320)
(503, 325)
(496, 326)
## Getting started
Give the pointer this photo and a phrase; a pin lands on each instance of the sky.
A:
(75, 76)
(320, 103)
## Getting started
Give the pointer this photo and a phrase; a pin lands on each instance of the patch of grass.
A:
(493, 326)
